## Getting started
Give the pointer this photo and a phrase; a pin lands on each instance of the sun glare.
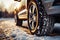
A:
(10, 5)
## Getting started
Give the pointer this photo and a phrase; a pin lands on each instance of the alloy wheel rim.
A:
(33, 17)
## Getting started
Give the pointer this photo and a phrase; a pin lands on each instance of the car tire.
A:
(45, 22)
(46, 25)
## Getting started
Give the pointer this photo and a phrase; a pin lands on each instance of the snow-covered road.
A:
(20, 33)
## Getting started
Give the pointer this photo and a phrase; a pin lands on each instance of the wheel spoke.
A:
(30, 10)
(32, 16)
(32, 25)
(33, 8)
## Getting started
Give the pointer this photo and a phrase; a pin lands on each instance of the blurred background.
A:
(7, 8)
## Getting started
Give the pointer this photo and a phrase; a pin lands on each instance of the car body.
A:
(48, 4)
(49, 8)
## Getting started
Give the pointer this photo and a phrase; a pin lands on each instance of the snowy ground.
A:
(14, 32)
